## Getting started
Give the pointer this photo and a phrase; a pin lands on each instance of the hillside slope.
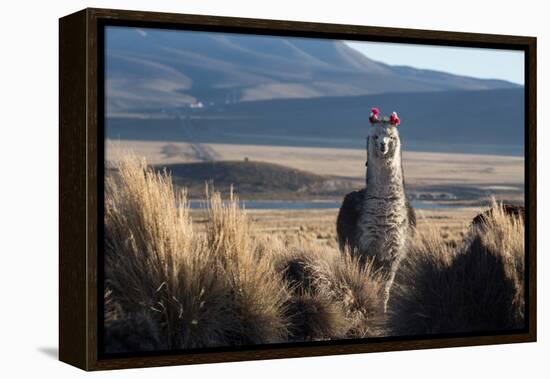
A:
(152, 71)
(489, 121)
(252, 180)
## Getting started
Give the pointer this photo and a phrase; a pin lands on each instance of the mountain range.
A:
(236, 88)
(150, 69)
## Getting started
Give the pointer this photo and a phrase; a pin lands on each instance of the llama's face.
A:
(384, 141)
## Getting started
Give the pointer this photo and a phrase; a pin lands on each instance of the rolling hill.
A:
(254, 180)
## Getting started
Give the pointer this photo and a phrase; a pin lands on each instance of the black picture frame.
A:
(81, 185)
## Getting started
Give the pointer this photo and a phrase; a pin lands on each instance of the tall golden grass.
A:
(169, 286)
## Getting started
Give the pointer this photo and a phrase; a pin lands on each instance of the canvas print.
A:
(264, 190)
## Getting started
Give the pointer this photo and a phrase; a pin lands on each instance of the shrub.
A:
(478, 287)
(177, 289)
(333, 295)
(258, 293)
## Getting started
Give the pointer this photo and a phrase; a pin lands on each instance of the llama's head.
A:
(383, 139)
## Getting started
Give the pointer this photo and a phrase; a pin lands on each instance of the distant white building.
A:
(198, 104)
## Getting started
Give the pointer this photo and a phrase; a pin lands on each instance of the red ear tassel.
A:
(373, 118)
(394, 119)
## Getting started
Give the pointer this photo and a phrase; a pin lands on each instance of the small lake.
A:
(309, 204)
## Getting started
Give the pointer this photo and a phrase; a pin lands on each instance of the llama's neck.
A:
(385, 179)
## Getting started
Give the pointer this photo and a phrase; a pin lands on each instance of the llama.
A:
(375, 222)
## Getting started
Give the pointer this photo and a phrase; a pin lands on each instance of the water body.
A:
(301, 205)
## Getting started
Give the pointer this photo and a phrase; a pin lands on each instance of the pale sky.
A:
(475, 62)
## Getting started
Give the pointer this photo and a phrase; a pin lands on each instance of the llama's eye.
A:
(375, 138)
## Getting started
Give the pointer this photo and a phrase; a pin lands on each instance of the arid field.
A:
(469, 175)
(319, 224)
(420, 167)
(460, 183)
(178, 278)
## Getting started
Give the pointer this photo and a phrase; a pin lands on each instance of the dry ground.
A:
(320, 224)
(423, 170)
(173, 282)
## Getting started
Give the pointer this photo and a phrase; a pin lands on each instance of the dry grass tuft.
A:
(182, 289)
(312, 311)
(333, 295)
(478, 287)
(258, 294)
(360, 289)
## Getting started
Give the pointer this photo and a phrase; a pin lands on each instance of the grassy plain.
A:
(472, 179)
(319, 224)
